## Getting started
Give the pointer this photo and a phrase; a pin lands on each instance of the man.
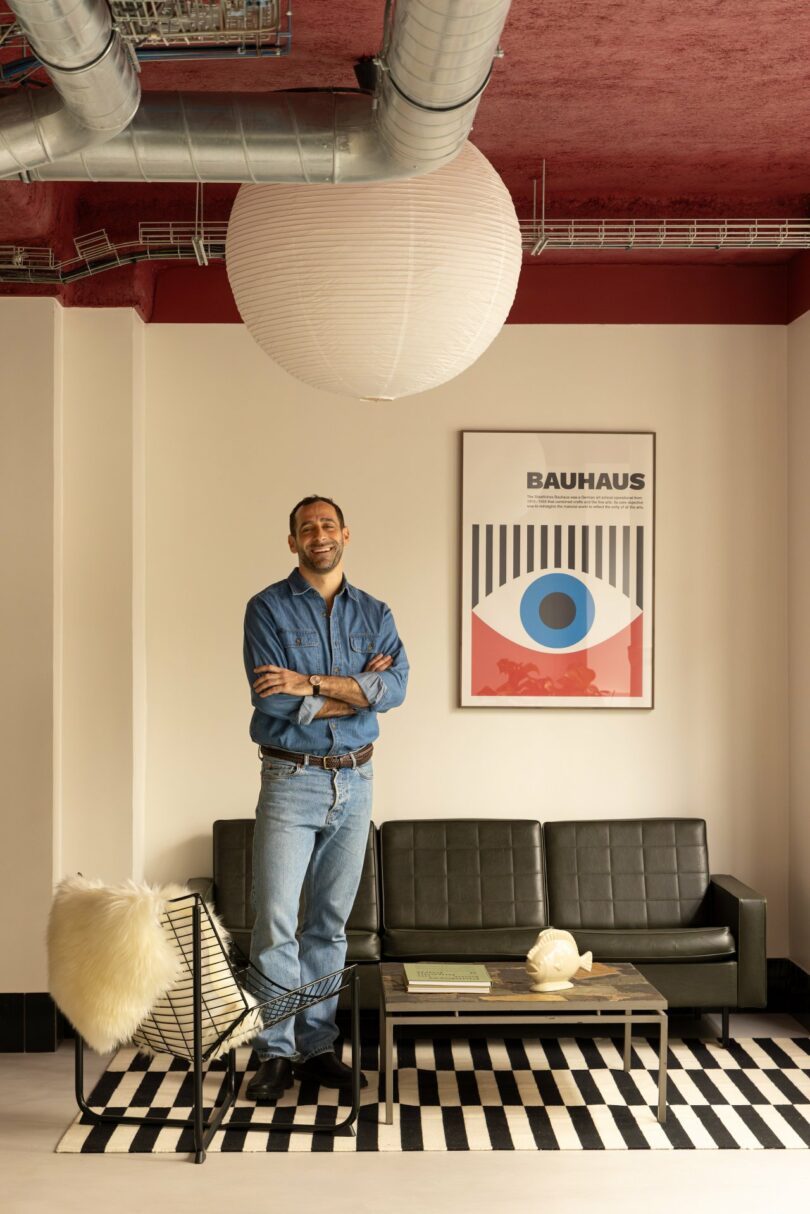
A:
(323, 659)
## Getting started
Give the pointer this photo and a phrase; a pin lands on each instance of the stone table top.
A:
(608, 988)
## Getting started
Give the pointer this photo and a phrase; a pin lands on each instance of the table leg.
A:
(389, 1072)
(663, 1045)
(628, 1032)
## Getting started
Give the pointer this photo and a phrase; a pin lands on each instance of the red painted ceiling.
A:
(660, 108)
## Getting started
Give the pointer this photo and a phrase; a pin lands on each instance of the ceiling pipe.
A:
(435, 63)
(95, 89)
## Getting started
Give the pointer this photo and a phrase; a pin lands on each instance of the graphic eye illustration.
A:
(557, 612)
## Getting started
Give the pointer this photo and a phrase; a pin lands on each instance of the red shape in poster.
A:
(502, 668)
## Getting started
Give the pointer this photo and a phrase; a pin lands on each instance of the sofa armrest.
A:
(743, 909)
(204, 886)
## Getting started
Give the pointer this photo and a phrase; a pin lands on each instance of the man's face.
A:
(318, 538)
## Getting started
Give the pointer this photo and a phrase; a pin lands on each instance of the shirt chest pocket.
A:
(363, 646)
(298, 641)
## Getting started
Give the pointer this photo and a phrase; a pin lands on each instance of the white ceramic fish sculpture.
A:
(553, 959)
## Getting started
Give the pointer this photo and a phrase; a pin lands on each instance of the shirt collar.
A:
(299, 585)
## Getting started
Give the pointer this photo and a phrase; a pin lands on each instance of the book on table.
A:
(446, 976)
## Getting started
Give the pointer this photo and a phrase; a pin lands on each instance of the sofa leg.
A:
(725, 1040)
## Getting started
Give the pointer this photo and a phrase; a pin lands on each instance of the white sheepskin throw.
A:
(119, 958)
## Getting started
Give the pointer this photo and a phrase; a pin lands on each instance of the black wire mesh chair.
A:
(207, 1011)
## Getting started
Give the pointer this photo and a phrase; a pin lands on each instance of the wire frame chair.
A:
(203, 1012)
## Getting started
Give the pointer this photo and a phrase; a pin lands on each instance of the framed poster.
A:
(557, 578)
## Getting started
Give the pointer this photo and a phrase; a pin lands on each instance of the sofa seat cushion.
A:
(657, 944)
(362, 946)
(487, 944)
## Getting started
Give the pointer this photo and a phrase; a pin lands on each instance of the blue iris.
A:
(557, 610)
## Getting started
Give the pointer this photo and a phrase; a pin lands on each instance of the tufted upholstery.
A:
(461, 886)
(644, 873)
(233, 864)
(636, 890)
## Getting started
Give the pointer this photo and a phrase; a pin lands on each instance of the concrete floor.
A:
(36, 1105)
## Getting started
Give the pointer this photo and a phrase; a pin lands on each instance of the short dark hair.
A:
(310, 501)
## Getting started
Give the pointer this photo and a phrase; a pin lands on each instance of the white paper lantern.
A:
(378, 290)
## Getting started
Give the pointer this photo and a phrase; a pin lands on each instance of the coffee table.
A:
(608, 994)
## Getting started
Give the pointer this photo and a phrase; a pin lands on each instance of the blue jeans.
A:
(311, 834)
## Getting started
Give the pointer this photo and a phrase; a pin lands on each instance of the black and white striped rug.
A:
(493, 1095)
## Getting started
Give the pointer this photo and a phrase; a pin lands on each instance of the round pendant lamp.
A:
(380, 290)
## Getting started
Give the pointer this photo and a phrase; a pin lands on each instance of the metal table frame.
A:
(629, 1013)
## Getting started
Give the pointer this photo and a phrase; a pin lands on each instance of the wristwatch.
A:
(315, 683)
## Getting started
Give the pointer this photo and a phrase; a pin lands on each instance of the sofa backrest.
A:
(233, 879)
(631, 873)
(447, 881)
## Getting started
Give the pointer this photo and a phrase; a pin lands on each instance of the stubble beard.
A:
(315, 567)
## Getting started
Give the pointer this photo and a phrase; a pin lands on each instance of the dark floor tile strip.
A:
(104, 1090)
(701, 1054)
(714, 1126)
(516, 1052)
(455, 1132)
(479, 1052)
(410, 1128)
(592, 1055)
(787, 1087)
(676, 1134)
(540, 1125)
(323, 1140)
(628, 1128)
(367, 1128)
(775, 1052)
(508, 1088)
(467, 1085)
(797, 1123)
(96, 1141)
(707, 1088)
(758, 1127)
(747, 1088)
(443, 1053)
(587, 1086)
(428, 1087)
(587, 1132)
(549, 1092)
(498, 1128)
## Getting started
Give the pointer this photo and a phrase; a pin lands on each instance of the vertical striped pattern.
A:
(500, 553)
(493, 1094)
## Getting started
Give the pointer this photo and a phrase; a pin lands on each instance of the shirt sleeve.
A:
(262, 647)
(385, 689)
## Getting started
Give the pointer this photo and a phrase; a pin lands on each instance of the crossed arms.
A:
(287, 694)
(342, 697)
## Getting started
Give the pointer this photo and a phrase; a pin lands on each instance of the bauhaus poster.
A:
(557, 596)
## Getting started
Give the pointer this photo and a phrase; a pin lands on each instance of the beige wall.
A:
(799, 590)
(231, 442)
(147, 473)
(102, 395)
(30, 386)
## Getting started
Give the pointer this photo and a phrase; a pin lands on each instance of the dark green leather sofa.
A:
(636, 890)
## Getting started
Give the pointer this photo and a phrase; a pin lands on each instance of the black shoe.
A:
(273, 1077)
(327, 1070)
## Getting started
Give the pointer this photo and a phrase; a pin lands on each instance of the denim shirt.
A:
(287, 625)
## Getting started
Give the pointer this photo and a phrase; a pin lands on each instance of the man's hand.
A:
(274, 680)
(377, 663)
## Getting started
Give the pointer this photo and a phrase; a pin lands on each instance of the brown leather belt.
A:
(355, 758)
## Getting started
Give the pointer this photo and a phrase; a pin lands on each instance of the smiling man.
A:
(323, 659)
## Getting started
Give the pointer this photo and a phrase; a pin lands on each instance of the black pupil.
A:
(557, 610)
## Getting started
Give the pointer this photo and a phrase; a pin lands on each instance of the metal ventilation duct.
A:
(434, 66)
(95, 86)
